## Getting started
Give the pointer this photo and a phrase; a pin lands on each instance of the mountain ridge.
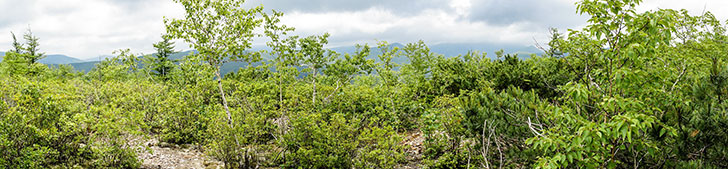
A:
(445, 49)
(53, 59)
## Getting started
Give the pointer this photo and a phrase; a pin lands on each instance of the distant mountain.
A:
(181, 55)
(446, 49)
(59, 59)
(98, 58)
(84, 66)
(455, 49)
(2, 54)
(54, 59)
(88, 64)
(374, 52)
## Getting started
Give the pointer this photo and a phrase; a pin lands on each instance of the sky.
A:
(89, 28)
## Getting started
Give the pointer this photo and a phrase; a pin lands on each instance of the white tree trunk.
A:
(224, 101)
(314, 86)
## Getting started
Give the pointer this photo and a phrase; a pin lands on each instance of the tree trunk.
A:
(280, 90)
(224, 101)
(314, 87)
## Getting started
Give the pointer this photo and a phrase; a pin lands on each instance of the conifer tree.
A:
(163, 64)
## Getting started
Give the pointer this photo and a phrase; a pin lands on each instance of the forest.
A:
(629, 90)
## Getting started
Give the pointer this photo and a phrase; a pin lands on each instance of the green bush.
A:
(184, 117)
(315, 141)
(48, 124)
(379, 148)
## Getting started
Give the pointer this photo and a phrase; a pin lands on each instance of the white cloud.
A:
(694, 7)
(462, 7)
(86, 29)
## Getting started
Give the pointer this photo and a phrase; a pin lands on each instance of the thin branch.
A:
(326, 99)
(678, 79)
(594, 83)
(497, 143)
(530, 126)
(538, 45)
(487, 146)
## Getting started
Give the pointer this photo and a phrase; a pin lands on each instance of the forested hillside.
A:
(447, 50)
(629, 90)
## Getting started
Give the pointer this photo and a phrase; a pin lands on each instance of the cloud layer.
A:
(84, 28)
(88, 28)
(435, 21)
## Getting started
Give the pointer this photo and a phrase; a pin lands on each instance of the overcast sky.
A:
(89, 28)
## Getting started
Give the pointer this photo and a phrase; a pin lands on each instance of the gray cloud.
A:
(544, 13)
(556, 13)
(401, 7)
(135, 5)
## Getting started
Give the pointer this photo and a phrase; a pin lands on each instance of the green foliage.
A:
(379, 148)
(386, 70)
(490, 116)
(318, 142)
(23, 59)
(443, 132)
(511, 71)
(121, 67)
(460, 74)
(162, 65)
(48, 123)
(315, 57)
(622, 110)
(416, 74)
(219, 30)
(629, 90)
(183, 116)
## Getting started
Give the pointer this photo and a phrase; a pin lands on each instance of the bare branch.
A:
(487, 146)
(678, 79)
(530, 126)
(326, 99)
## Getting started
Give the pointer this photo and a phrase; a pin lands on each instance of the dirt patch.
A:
(156, 155)
(413, 140)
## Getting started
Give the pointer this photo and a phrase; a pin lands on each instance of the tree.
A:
(611, 114)
(346, 68)
(12, 58)
(163, 65)
(221, 31)
(32, 49)
(17, 47)
(315, 56)
(120, 67)
(23, 59)
(284, 49)
(385, 71)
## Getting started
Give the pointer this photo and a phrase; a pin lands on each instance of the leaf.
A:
(694, 133)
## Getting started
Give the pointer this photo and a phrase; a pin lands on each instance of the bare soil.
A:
(156, 155)
(413, 140)
(160, 155)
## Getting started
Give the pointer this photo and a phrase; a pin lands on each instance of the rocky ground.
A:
(413, 140)
(159, 155)
(156, 155)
